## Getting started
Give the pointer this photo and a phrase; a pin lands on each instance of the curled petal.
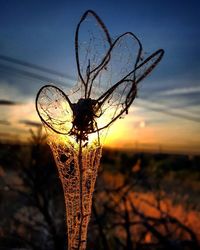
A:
(54, 109)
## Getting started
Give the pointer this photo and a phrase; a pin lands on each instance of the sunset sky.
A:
(166, 114)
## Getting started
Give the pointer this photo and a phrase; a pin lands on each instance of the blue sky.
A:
(42, 33)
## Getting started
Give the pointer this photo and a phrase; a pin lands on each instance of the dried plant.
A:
(109, 72)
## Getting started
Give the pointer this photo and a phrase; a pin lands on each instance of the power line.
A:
(34, 66)
(164, 109)
(32, 75)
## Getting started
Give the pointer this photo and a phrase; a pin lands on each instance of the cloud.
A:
(31, 123)
(8, 102)
(182, 91)
(9, 91)
(4, 122)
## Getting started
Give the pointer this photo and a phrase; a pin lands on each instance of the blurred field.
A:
(141, 200)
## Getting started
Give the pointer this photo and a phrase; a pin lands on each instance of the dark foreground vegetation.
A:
(141, 201)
